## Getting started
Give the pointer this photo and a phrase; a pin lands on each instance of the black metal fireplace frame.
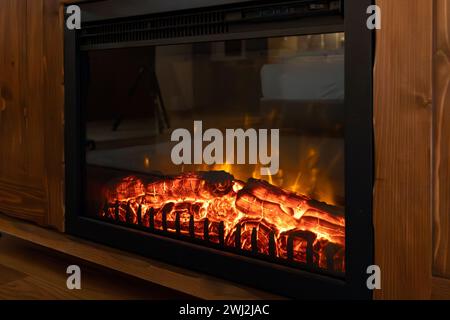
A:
(272, 277)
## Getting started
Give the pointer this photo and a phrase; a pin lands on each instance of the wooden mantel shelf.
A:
(182, 280)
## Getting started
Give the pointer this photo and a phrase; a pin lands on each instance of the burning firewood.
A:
(198, 186)
(288, 211)
(293, 203)
(212, 206)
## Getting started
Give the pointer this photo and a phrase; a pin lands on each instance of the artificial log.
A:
(291, 201)
(280, 216)
(254, 216)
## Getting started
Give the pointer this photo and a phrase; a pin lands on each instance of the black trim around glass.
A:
(248, 271)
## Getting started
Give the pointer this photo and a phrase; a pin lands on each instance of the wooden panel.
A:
(31, 125)
(53, 127)
(23, 202)
(403, 124)
(441, 221)
(33, 81)
(21, 139)
(440, 289)
(179, 279)
(12, 157)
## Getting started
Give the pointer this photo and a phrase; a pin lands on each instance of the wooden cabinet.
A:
(22, 191)
(31, 111)
(412, 134)
(403, 125)
(441, 217)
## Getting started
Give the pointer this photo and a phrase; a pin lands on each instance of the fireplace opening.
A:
(232, 138)
(292, 214)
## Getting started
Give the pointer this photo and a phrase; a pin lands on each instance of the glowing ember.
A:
(253, 216)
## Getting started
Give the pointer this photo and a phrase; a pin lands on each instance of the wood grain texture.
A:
(31, 125)
(440, 289)
(53, 66)
(33, 289)
(8, 275)
(441, 217)
(189, 282)
(29, 271)
(31, 202)
(33, 82)
(12, 122)
(21, 144)
(53, 99)
(403, 129)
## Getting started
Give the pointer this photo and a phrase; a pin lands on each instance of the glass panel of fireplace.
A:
(146, 79)
(157, 101)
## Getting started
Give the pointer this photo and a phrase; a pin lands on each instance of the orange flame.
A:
(253, 216)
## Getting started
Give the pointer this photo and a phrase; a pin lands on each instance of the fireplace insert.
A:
(230, 137)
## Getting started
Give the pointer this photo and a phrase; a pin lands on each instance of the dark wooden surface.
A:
(29, 271)
(53, 90)
(440, 289)
(182, 280)
(403, 124)
(22, 182)
(31, 111)
(441, 217)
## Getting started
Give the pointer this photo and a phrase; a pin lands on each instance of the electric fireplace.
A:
(229, 137)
